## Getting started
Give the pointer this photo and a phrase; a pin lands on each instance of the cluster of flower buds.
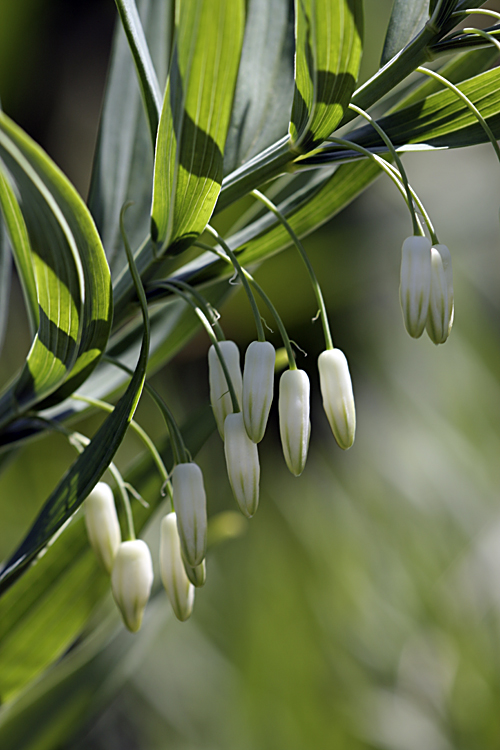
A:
(244, 429)
(426, 290)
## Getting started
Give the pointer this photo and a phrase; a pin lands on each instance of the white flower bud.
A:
(179, 590)
(258, 386)
(131, 581)
(102, 524)
(220, 398)
(338, 399)
(190, 505)
(295, 427)
(415, 286)
(440, 315)
(242, 460)
(197, 575)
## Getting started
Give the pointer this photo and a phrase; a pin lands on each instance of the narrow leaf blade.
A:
(407, 20)
(195, 119)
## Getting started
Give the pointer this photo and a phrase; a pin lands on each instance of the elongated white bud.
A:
(177, 585)
(102, 524)
(258, 387)
(338, 399)
(415, 286)
(242, 460)
(295, 427)
(190, 505)
(220, 398)
(131, 581)
(440, 315)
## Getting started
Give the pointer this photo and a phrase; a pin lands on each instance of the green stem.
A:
(171, 286)
(205, 306)
(393, 173)
(234, 260)
(281, 327)
(468, 103)
(135, 426)
(395, 156)
(310, 270)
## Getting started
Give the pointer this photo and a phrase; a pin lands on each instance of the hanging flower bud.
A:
(190, 505)
(102, 524)
(415, 283)
(179, 590)
(258, 386)
(197, 575)
(131, 581)
(338, 399)
(440, 316)
(220, 398)
(295, 427)
(242, 460)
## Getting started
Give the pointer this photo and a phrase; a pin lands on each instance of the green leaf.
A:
(48, 607)
(5, 280)
(146, 73)
(123, 166)
(72, 277)
(195, 119)
(328, 54)
(264, 89)
(407, 20)
(86, 471)
(442, 119)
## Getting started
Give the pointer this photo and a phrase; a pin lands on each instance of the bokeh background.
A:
(360, 608)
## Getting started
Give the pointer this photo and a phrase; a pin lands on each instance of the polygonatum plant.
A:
(260, 109)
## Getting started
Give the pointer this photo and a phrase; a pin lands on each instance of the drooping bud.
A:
(175, 581)
(197, 575)
(242, 460)
(131, 581)
(258, 386)
(102, 524)
(220, 398)
(190, 503)
(338, 399)
(295, 427)
(415, 286)
(440, 316)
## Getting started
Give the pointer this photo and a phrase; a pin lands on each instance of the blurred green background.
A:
(360, 608)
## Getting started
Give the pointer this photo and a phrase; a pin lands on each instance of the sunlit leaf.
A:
(5, 279)
(328, 54)
(443, 119)
(195, 119)
(72, 277)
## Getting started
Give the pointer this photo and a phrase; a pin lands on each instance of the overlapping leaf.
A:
(443, 119)
(407, 19)
(195, 119)
(123, 167)
(55, 242)
(264, 89)
(328, 54)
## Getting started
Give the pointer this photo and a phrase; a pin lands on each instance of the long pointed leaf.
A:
(123, 166)
(146, 73)
(5, 279)
(195, 119)
(72, 277)
(407, 20)
(264, 90)
(328, 53)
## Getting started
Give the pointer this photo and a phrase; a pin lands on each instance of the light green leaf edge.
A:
(195, 119)
(72, 275)
(328, 54)
(146, 73)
